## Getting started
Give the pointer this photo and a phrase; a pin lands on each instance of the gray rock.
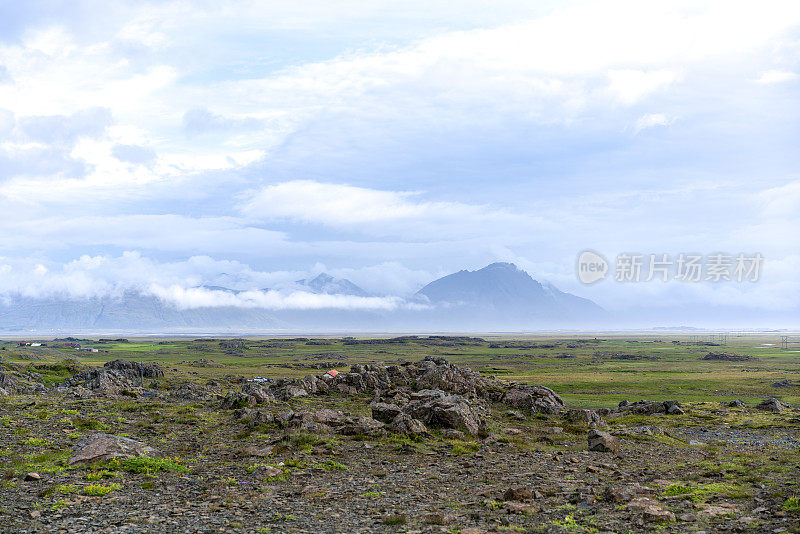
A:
(237, 399)
(102, 446)
(385, 412)
(133, 370)
(602, 442)
(771, 405)
(435, 408)
(405, 424)
(7, 381)
(536, 399)
(362, 426)
(589, 417)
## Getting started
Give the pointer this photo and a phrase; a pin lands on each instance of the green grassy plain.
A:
(591, 372)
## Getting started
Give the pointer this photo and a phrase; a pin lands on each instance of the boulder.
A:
(285, 388)
(261, 418)
(405, 424)
(362, 426)
(651, 510)
(435, 408)
(310, 420)
(536, 399)
(642, 407)
(237, 399)
(7, 381)
(602, 442)
(588, 417)
(385, 412)
(439, 374)
(102, 446)
(771, 405)
(133, 370)
(260, 394)
(189, 391)
(626, 493)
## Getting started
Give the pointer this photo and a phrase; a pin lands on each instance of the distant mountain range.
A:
(131, 311)
(498, 297)
(328, 285)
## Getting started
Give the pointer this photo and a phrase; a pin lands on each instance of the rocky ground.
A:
(418, 447)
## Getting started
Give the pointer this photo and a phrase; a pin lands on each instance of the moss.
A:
(100, 490)
(147, 465)
(704, 492)
(792, 505)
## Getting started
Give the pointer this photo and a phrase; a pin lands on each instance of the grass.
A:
(67, 489)
(465, 448)
(792, 505)
(98, 490)
(395, 519)
(704, 492)
(100, 475)
(331, 465)
(86, 423)
(582, 378)
(147, 465)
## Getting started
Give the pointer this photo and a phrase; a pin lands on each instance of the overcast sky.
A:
(246, 144)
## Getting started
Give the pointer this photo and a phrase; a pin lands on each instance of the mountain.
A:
(328, 285)
(502, 292)
(497, 297)
(129, 312)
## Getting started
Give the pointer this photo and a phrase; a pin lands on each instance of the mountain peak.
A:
(503, 289)
(327, 284)
(321, 279)
(501, 266)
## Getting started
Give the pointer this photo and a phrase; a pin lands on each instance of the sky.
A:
(165, 146)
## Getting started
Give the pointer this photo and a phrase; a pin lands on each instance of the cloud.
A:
(375, 212)
(630, 86)
(188, 298)
(391, 143)
(178, 283)
(776, 76)
(62, 129)
(5, 77)
(199, 121)
(651, 120)
(134, 154)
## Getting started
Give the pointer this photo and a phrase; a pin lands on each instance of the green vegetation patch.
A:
(704, 492)
(147, 465)
(99, 490)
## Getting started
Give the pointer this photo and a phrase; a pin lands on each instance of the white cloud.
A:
(776, 76)
(529, 91)
(651, 120)
(377, 212)
(178, 283)
(155, 232)
(630, 86)
(187, 298)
